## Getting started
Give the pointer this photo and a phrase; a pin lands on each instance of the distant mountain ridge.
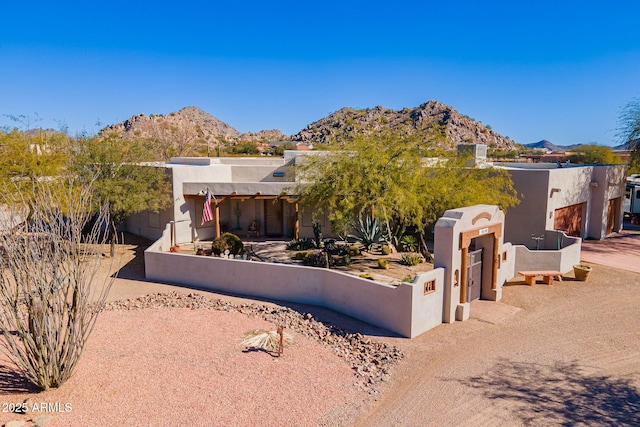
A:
(433, 121)
(437, 124)
(187, 129)
(549, 146)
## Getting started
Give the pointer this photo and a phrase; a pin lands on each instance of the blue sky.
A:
(560, 70)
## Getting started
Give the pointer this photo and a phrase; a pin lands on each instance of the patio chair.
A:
(254, 229)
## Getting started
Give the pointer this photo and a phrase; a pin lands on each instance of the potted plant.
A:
(581, 272)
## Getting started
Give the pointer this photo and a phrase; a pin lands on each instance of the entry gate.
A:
(474, 275)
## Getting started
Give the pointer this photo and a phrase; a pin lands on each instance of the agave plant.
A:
(369, 233)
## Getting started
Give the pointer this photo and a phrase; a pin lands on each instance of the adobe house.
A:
(243, 190)
(585, 201)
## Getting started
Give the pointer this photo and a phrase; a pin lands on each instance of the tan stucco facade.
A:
(595, 192)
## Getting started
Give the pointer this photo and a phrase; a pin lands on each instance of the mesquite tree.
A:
(51, 291)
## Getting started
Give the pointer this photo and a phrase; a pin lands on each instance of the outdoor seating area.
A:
(547, 276)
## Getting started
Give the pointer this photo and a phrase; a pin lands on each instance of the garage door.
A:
(569, 219)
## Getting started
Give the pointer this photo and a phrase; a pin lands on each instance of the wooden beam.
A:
(217, 220)
(296, 222)
(463, 275)
(496, 262)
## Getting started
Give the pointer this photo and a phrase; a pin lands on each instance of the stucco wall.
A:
(593, 185)
(610, 182)
(405, 309)
(528, 217)
(448, 254)
(562, 260)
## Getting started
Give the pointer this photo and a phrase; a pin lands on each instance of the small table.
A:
(547, 276)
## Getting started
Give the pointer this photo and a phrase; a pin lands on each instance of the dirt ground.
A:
(565, 354)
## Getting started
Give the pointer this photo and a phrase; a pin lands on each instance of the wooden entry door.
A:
(474, 275)
(273, 218)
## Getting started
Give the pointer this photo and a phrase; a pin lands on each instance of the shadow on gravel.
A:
(12, 381)
(560, 394)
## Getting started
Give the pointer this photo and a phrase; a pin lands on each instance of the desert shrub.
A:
(386, 249)
(408, 243)
(235, 244)
(341, 260)
(411, 258)
(319, 259)
(218, 246)
(407, 279)
(299, 256)
(228, 241)
(302, 244)
(383, 264)
(366, 276)
(336, 249)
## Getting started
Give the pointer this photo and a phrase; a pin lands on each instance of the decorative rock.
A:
(15, 423)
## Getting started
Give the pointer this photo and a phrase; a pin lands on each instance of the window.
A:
(430, 286)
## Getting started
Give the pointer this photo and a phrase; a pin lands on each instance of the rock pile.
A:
(371, 360)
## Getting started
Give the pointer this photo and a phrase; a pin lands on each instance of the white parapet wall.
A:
(561, 260)
(408, 309)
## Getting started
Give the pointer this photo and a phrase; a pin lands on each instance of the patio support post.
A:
(463, 275)
(217, 220)
(496, 262)
(296, 224)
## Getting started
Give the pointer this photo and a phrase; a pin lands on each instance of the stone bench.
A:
(547, 276)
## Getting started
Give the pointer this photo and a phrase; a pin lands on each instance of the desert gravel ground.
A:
(569, 356)
(566, 354)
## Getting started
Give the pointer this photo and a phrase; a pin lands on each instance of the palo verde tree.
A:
(29, 157)
(119, 175)
(594, 154)
(386, 176)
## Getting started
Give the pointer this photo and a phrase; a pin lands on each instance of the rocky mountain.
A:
(438, 123)
(189, 131)
(549, 146)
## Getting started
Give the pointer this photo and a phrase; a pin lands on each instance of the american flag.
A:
(207, 213)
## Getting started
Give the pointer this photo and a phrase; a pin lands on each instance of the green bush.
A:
(383, 264)
(218, 246)
(227, 241)
(411, 259)
(299, 256)
(386, 249)
(408, 243)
